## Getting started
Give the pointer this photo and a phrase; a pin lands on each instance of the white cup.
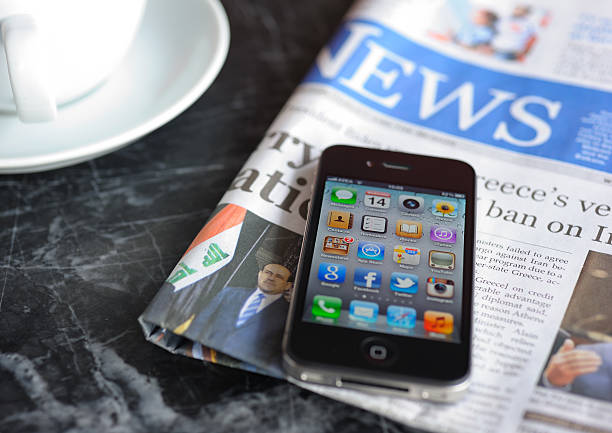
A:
(59, 50)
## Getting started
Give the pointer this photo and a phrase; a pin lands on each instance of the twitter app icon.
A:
(406, 283)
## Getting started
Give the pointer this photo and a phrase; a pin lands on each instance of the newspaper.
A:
(521, 91)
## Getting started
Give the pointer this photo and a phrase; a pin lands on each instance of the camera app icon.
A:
(440, 287)
(411, 203)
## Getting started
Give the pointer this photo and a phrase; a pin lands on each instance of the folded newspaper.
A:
(522, 91)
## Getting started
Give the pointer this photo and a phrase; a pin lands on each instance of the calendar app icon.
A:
(377, 199)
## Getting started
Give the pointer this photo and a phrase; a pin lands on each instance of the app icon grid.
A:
(383, 267)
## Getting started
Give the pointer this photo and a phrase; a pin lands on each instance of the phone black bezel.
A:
(334, 347)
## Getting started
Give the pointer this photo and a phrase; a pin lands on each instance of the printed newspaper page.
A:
(519, 90)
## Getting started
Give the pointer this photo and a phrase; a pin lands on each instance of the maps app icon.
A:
(406, 255)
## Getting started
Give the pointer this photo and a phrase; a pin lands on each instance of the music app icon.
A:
(438, 321)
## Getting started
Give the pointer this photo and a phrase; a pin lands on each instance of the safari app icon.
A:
(401, 317)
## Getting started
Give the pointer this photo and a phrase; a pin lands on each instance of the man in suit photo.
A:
(248, 323)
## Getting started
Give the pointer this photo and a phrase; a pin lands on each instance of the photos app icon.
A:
(444, 208)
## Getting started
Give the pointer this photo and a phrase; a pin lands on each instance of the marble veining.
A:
(84, 249)
(129, 401)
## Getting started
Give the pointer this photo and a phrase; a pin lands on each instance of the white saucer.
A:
(178, 51)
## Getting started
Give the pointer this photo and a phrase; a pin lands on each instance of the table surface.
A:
(85, 248)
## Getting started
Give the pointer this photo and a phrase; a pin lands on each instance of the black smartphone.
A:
(383, 293)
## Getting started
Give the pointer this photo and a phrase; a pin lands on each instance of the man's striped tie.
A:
(250, 310)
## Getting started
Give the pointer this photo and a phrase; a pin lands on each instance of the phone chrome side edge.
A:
(349, 379)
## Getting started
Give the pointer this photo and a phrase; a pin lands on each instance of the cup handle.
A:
(28, 70)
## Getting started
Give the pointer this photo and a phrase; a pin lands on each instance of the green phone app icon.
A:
(326, 306)
(344, 195)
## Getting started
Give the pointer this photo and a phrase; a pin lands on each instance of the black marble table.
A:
(85, 248)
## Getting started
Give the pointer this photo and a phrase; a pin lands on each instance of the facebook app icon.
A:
(367, 278)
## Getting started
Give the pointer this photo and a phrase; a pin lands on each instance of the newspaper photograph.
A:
(575, 385)
(522, 92)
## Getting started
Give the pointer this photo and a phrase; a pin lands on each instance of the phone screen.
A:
(388, 259)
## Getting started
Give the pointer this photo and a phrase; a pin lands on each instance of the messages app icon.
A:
(344, 195)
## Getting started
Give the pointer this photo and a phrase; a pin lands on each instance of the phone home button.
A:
(378, 351)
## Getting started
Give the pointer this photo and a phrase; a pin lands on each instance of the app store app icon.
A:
(371, 251)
